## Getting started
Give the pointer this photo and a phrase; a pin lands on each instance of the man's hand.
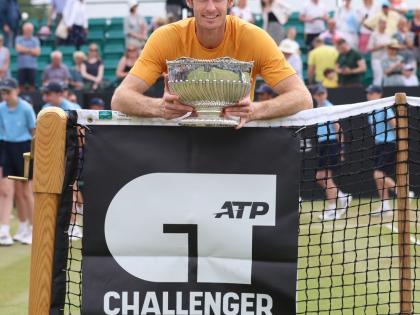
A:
(243, 109)
(171, 107)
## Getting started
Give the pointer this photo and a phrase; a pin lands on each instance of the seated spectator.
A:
(4, 60)
(75, 18)
(409, 76)
(314, 14)
(366, 10)
(135, 27)
(406, 40)
(330, 79)
(391, 18)
(392, 66)
(56, 71)
(241, 10)
(319, 59)
(291, 38)
(275, 16)
(331, 36)
(377, 45)
(92, 69)
(76, 78)
(52, 94)
(71, 96)
(264, 93)
(158, 22)
(348, 23)
(350, 65)
(96, 103)
(126, 62)
(28, 49)
(415, 28)
(292, 56)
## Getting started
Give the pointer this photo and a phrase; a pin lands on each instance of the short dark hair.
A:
(341, 41)
(327, 71)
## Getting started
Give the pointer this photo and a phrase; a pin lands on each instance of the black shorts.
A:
(328, 154)
(26, 76)
(13, 157)
(1, 153)
(386, 157)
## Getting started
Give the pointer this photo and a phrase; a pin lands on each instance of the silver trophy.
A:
(208, 86)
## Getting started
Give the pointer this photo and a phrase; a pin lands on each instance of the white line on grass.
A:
(395, 230)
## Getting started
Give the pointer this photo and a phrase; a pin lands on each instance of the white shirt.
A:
(377, 39)
(296, 62)
(317, 11)
(411, 81)
(365, 13)
(75, 13)
(243, 13)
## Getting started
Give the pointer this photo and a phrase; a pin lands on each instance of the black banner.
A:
(190, 221)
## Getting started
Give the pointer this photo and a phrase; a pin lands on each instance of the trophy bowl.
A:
(209, 86)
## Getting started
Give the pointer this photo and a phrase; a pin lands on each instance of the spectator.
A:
(350, 65)
(409, 76)
(28, 49)
(405, 39)
(56, 12)
(385, 13)
(9, 21)
(4, 60)
(349, 23)
(75, 18)
(367, 10)
(135, 27)
(314, 15)
(399, 6)
(92, 69)
(264, 93)
(291, 38)
(319, 59)
(96, 103)
(71, 96)
(158, 22)
(331, 36)
(392, 66)
(174, 9)
(53, 95)
(126, 62)
(292, 55)
(330, 79)
(377, 45)
(76, 78)
(275, 16)
(56, 71)
(415, 28)
(241, 10)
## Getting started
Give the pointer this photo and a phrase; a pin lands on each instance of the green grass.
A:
(347, 266)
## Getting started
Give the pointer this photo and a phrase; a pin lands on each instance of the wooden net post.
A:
(403, 205)
(49, 167)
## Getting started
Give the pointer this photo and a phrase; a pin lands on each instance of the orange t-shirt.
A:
(242, 41)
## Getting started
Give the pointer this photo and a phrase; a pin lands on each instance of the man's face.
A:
(52, 97)
(373, 96)
(320, 98)
(9, 95)
(56, 60)
(343, 48)
(210, 14)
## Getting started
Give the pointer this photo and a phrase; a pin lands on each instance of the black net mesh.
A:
(349, 259)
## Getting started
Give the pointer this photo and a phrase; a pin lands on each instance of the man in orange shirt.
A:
(211, 34)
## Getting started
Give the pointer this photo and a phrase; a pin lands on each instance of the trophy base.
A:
(208, 122)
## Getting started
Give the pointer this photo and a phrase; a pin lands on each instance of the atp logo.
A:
(163, 227)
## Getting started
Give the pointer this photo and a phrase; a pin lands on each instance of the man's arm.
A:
(293, 97)
(129, 99)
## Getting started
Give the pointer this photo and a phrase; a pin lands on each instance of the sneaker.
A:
(343, 203)
(328, 215)
(75, 233)
(27, 239)
(6, 240)
(19, 236)
(411, 194)
(384, 209)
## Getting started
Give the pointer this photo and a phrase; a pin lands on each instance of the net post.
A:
(49, 167)
(403, 204)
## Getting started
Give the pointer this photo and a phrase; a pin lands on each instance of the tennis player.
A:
(210, 34)
(330, 152)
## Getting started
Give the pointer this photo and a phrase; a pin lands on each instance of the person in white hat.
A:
(291, 52)
(135, 27)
